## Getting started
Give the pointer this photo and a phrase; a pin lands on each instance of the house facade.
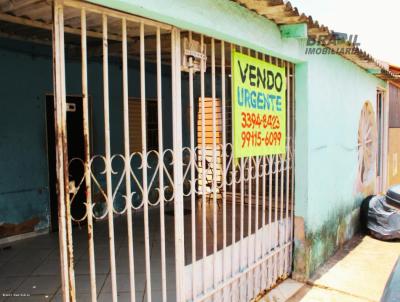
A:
(125, 111)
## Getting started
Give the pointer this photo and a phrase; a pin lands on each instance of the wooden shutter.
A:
(135, 129)
(209, 139)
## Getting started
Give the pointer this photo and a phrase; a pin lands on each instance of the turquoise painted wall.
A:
(330, 94)
(338, 91)
(301, 139)
(23, 159)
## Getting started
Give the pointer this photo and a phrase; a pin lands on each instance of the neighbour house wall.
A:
(393, 157)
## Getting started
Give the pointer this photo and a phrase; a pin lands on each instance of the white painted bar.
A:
(192, 164)
(127, 159)
(242, 194)
(234, 168)
(86, 135)
(271, 233)
(69, 242)
(144, 163)
(257, 245)
(214, 160)
(59, 87)
(263, 282)
(161, 165)
(293, 103)
(225, 262)
(178, 177)
(110, 206)
(288, 154)
(203, 164)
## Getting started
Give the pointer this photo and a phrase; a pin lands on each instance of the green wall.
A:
(330, 94)
(338, 90)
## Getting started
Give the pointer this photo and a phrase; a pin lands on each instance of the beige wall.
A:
(393, 157)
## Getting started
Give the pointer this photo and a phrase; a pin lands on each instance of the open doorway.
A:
(75, 151)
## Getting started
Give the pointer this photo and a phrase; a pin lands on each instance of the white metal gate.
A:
(177, 218)
(240, 232)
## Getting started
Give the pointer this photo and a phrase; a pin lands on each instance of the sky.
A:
(376, 22)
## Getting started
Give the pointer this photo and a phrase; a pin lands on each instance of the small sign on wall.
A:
(259, 107)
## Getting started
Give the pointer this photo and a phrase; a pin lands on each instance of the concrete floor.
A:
(356, 273)
(29, 269)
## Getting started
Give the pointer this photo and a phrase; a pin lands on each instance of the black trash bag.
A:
(383, 219)
(364, 213)
(393, 196)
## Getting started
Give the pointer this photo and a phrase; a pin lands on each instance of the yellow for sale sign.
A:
(259, 107)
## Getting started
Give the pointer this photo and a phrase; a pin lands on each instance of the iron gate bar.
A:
(288, 142)
(203, 163)
(88, 192)
(214, 160)
(224, 168)
(257, 167)
(107, 148)
(293, 103)
(144, 162)
(59, 88)
(128, 195)
(161, 168)
(232, 47)
(192, 165)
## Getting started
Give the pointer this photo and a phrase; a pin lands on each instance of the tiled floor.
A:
(29, 269)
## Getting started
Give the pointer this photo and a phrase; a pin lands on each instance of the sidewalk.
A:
(356, 273)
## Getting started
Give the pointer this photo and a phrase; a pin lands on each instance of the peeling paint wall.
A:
(24, 78)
